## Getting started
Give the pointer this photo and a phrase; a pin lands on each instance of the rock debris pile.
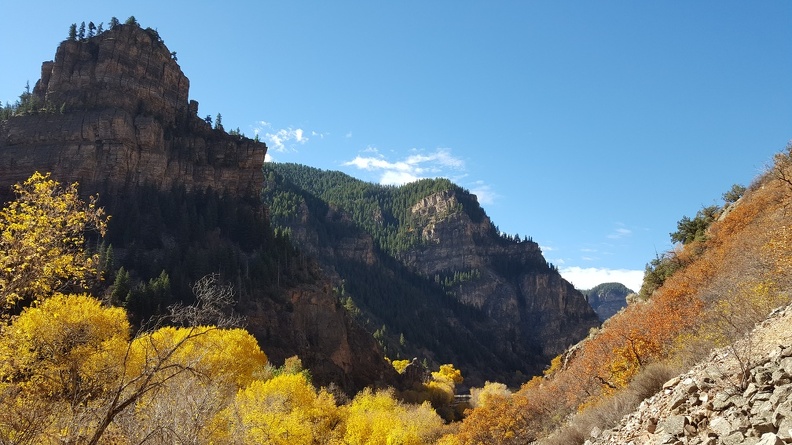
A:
(741, 395)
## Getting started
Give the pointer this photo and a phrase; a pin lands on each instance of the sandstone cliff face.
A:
(123, 118)
(532, 303)
(126, 68)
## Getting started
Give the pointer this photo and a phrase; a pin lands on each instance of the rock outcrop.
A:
(533, 305)
(113, 110)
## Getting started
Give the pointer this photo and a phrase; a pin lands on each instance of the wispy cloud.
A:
(419, 164)
(283, 139)
(588, 277)
(484, 193)
(620, 232)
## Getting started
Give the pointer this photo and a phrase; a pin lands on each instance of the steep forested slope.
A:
(427, 271)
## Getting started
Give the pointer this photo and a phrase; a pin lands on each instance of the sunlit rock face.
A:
(113, 110)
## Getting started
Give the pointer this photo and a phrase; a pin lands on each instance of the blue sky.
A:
(592, 127)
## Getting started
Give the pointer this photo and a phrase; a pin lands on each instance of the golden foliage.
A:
(68, 372)
(69, 347)
(286, 410)
(41, 241)
(231, 356)
(492, 392)
(448, 373)
(378, 418)
(400, 365)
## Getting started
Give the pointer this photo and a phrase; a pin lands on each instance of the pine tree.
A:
(81, 32)
(91, 29)
(73, 31)
(219, 122)
(114, 22)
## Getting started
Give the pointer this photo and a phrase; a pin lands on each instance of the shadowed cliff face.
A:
(113, 110)
(112, 113)
(608, 298)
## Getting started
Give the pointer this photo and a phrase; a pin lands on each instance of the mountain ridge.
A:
(511, 301)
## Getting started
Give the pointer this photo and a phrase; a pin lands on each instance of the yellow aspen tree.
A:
(42, 237)
(378, 418)
(58, 361)
(285, 410)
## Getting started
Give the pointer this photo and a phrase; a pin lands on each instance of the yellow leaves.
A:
(555, 366)
(41, 240)
(400, 365)
(69, 346)
(283, 410)
(491, 393)
(231, 356)
(378, 418)
(448, 373)
(778, 251)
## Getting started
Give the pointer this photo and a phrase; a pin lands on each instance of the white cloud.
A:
(372, 164)
(619, 233)
(397, 178)
(586, 278)
(283, 139)
(484, 193)
(348, 135)
(415, 166)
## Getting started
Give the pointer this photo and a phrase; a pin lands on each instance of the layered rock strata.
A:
(113, 110)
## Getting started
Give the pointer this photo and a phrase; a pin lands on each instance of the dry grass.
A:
(610, 411)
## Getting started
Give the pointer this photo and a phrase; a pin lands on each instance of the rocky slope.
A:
(112, 113)
(739, 395)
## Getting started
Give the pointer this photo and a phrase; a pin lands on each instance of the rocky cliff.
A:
(113, 110)
(532, 303)
(312, 325)
(112, 113)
